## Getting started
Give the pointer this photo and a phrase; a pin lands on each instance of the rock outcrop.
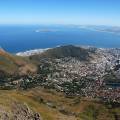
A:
(19, 112)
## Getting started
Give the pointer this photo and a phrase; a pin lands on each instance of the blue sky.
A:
(95, 12)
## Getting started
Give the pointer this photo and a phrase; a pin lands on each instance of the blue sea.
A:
(18, 38)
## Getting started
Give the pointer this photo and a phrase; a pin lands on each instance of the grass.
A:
(15, 63)
(85, 109)
(47, 113)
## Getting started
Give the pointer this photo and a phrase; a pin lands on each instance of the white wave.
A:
(31, 52)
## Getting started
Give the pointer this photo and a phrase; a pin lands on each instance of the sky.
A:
(88, 12)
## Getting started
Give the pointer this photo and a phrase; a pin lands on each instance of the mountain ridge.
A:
(80, 53)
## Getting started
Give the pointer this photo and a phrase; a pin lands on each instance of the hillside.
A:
(52, 105)
(12, 64)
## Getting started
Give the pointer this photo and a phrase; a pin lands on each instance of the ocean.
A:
(19, 38)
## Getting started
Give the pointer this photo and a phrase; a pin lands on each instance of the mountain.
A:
(12, 64)
(80, 53)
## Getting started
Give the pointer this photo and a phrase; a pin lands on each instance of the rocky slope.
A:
(18, 112)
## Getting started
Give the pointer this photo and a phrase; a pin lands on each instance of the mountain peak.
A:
(65, 51)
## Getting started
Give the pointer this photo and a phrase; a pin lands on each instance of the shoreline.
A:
(32, 52)
(41, 50)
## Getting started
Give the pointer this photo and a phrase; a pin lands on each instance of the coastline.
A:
(41, 50)
(31, 52)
